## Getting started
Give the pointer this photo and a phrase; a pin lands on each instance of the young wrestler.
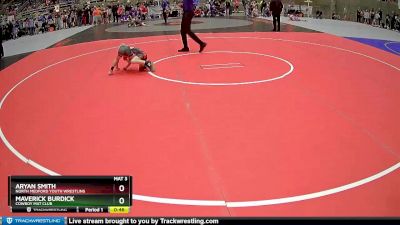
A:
(131, 55)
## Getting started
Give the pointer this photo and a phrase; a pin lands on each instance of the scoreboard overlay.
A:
(88, 194)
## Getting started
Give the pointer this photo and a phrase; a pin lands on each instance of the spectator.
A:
(228, 8)
(372, 17)
(245, 7)
(120, 11)
(10, 30)
(79, 14)
(387, 22)
(143, 11)
(31, 26)
(319, 14)
(15, 31)
(96, 16)
(366, 16)
(254, 9)
(87, 15)
(52, 26)
(263, 7)
(91, 19)
(114, 12)
(64, 19)
(393, 21)
(72, 18)
(104, 15)
(165, 10)
(377, 19)
(358, 15)
(109, 14)
(1, 42)
(37, 26)
(236, 6)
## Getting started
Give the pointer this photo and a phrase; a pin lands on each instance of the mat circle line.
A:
(223, 83)
(253, 203)
(389, 43)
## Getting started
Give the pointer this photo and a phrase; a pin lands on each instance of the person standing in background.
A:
(276, 7)
(393, 21)
(236, 6)
(227, 8)
(114, 10)
(96, 16)
(358, 15)
(165, 10)
(120, 11)
(79, 15)
(263, 7)
(1, 42)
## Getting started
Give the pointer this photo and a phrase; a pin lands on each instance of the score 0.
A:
(121, 188)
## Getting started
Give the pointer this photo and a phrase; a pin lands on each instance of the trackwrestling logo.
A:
(9, 220)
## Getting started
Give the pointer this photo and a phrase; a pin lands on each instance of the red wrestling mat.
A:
(260, 124)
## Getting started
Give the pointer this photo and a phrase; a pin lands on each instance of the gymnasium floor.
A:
(304, 122)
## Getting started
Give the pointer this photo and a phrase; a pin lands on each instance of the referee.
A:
(188, 13)
(275, 6)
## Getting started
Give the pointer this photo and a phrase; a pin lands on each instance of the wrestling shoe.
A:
(149, 65)
(202, 46)
(183, 50)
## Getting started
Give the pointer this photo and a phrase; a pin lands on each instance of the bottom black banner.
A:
(24, 220)
(229, 220)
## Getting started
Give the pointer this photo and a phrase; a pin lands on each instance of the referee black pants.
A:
(185, 29)
(277, 19)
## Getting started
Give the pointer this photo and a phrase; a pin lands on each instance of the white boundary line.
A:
(212, 202)
(311, 43)
(227, 83)
(179, 201)
(316, 194)
(11, 148)
(68, 59)
(392, 42)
